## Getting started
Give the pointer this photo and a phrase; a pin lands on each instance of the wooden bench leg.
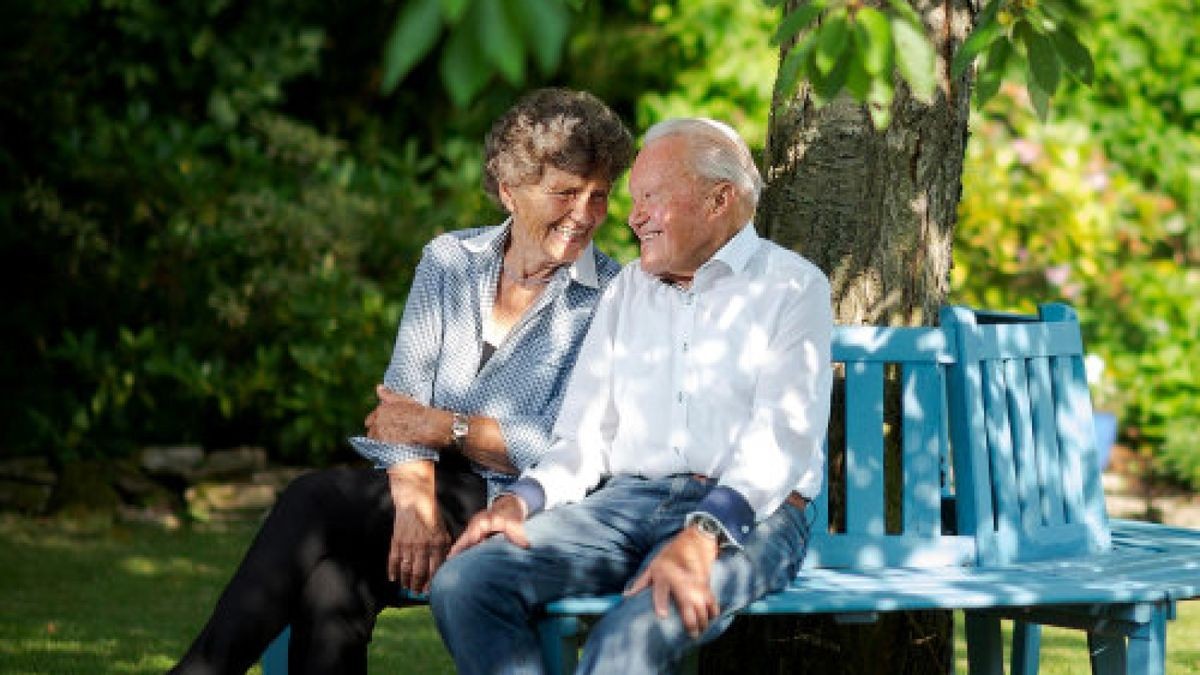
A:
(985, 649)
(1107, 654)
(559, 637)
(1026, 647)
(1148, 645)
(275, 658)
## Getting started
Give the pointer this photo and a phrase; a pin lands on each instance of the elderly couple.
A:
(551, 425)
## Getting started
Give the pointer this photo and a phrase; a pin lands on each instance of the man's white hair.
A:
(718, 151)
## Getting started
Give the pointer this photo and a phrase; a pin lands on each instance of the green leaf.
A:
(879, 102)
(1040, 99)
(797, 21)
(907, 13)
(1044, 68)
(874, 36)
(1189, 100)
(544, 25)
(797, 57)
(980, 39)
(416, 31)
(464, 68)
(453, 9)
(501, 44)
(1074, 55)
(914, 58)
(827, 85)
(835, 34)
(991, 75)
(858, 80)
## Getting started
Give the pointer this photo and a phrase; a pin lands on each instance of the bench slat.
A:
(1046, 440)
(923, 426)
(864, 449)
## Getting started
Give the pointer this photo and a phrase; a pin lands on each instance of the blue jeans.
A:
(484, 599)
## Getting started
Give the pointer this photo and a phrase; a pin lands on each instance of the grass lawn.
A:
(128, 599)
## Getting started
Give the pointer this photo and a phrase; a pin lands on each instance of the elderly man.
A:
(695, 416)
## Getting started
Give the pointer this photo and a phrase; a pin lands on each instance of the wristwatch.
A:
(707, 525)
(459, 427)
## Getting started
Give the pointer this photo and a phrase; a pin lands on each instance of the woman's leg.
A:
(318, 563)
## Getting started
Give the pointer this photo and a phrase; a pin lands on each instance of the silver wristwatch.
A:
(459, 428)
(707, 525)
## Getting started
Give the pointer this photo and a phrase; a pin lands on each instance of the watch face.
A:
(707, 525)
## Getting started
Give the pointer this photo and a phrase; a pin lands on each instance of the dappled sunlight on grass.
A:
(146, 566)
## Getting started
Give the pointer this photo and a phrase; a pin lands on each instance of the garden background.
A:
(209, 211)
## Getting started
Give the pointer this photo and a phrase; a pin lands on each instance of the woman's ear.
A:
(506, 198)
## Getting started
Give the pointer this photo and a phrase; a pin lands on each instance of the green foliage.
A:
(843, 45)
(199, 264)
(483, 38)
(1144, 105)
(1042, 33)
(1045, 216)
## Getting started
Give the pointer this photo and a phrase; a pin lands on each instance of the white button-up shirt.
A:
(730, 378)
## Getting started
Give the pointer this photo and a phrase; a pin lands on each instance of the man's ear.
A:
(723, 197)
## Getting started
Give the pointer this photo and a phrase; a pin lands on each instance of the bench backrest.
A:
(893, 409)
(1025, 469)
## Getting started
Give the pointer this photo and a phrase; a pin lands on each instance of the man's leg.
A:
(484, 598)
(631, 638)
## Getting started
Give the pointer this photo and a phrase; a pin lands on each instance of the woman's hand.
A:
(400, 419)
(419, 538)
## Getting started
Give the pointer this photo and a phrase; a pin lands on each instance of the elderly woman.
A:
(488, 339)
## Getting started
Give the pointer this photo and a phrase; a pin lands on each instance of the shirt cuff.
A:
(529, 491)
(384, 455)
(730, 509)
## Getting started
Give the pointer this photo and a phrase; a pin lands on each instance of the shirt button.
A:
(679, 397)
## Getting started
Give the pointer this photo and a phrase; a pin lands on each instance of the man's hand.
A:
(506, 515)
(400, 419)
(419, 538)
(680, 572)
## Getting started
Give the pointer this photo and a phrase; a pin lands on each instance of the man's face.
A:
(672, 215)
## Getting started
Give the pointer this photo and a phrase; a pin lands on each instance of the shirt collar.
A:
(582, 271)
(736, 252)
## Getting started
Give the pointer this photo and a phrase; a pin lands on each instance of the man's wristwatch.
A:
(707, 525)
(459, 427)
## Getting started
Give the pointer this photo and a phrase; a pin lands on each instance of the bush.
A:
(197, 263)
(1047, 216)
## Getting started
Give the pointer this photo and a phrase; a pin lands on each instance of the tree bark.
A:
(876, 211)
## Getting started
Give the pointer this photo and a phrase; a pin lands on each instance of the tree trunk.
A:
(876, 211)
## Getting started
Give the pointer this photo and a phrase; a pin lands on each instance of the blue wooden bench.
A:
(989, 420)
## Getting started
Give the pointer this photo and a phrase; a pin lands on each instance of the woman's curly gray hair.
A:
(569, 130)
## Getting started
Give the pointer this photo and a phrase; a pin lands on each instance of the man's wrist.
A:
(460, 428)
(708, 527)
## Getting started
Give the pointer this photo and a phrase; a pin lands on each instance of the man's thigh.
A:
(590, 547)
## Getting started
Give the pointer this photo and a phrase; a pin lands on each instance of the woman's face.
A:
(558, 214)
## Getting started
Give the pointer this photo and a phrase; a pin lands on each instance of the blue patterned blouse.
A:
(440, 342)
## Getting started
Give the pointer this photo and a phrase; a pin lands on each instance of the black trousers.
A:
(319, 564)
